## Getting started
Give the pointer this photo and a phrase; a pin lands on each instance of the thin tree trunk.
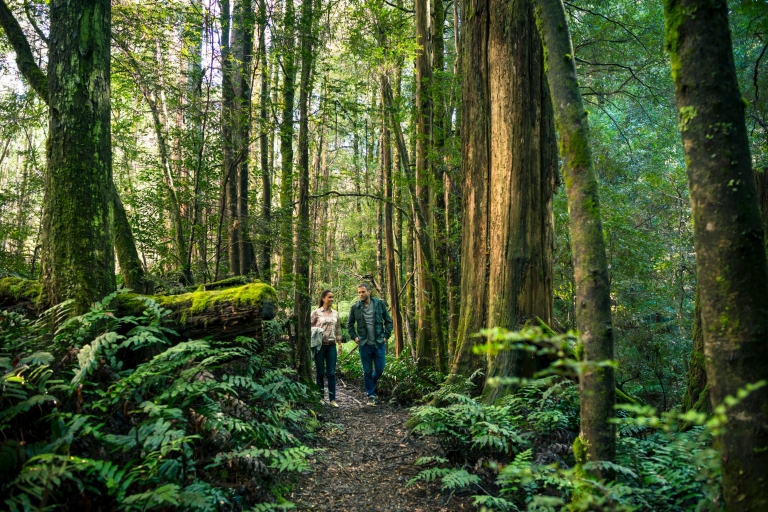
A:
(286, 141)
(228, 129)
(593, 315)
(242, 50)
(386, 172)
(303, 236)
(127, 256)
(696, 396)
(266, 178)
(728, 237)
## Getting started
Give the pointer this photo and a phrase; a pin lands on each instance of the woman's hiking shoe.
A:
(333, 403)
(372, 401)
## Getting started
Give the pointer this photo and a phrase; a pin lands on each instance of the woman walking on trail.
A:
(327, 319)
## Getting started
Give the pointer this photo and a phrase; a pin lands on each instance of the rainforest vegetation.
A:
(563, 204)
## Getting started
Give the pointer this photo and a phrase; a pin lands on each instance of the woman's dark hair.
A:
(323, 294)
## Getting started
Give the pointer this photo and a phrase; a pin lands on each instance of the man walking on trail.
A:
(374, 325)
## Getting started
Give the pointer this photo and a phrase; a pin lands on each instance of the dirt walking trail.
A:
(369, 457)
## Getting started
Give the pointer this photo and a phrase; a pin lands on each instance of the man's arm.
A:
(387, 322)
(351, 324)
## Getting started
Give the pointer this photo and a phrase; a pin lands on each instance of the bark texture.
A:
(696, 396)
(78, 238)
(593, 301)
(728, 237)
(509, 166)
(127, 255)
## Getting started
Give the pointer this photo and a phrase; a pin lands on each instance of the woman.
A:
(326, 318)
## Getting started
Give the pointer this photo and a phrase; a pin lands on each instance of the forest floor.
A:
(369, 457)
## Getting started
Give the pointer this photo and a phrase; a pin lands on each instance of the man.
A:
(374, 325)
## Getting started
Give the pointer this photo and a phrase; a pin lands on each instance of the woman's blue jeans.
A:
(325, 366)
(373, 359)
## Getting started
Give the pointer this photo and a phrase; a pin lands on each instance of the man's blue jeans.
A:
(376, 357)
(325, 366)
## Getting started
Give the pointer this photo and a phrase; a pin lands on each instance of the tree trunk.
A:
(728, 237)
(266, 178)
(509, 164)
(593, 314)
(78, 238)
(696, 396)
(243, 22)
(228, 129)
(130, 265)
(302, 304)
(392, 277)
(286, 141)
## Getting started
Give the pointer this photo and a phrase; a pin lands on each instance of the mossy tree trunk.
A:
(302, 304)
(593, 311)
(285, 229)
(125, 245)
(728, 237)
(78, 237)
(696, 396)
(127, 256)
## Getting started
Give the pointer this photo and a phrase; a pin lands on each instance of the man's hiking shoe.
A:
(333, 403)
(372, 401)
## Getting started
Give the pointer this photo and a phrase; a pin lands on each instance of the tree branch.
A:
(31, 19)
(37, 79)
(361, 194)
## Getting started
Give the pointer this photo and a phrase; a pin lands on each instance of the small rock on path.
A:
(368, 459)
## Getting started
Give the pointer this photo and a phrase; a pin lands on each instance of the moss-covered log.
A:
(19, 294)
(220, 314)
(728, 237)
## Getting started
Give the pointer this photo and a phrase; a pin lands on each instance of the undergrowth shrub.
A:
(518, 452)
(105, 413)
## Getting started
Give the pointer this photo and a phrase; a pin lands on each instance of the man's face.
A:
(363, 294)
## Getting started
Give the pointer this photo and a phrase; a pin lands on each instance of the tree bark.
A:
(130, 265)
(509, 164)
(728, 237)
(78, 237)
(593, 312)
(696, 396)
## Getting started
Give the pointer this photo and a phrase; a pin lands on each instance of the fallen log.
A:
(221, 314)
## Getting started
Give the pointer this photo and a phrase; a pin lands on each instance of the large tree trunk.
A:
(303, 236)
(728, 236)
(286, 142)
(593, 314)
(509, 164)
(78, 238)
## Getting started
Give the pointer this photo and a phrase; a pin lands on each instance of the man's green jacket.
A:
(382, 322)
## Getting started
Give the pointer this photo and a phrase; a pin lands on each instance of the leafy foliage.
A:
(134, 423)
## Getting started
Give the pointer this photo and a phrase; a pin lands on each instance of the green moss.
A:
(577, 149)
(15, 288)
(197, 302)
(580, 454)
(623, 398)
(685, 116)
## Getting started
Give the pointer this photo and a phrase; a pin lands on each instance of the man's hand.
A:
(357, 340)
